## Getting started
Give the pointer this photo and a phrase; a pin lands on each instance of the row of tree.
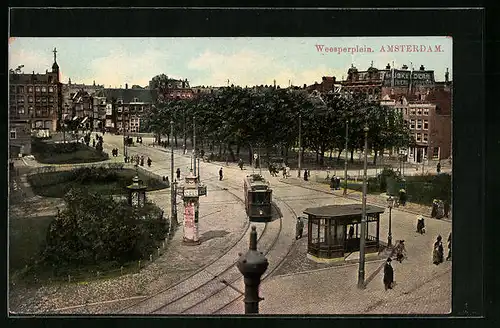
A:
(234, 118)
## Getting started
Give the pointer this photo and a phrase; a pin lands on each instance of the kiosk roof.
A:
(335, 211)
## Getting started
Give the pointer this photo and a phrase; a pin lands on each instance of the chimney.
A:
(388, 66)
(447, 76)
(126, 85)
(422, 68)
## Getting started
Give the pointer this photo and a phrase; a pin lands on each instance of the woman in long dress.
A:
(437, 255)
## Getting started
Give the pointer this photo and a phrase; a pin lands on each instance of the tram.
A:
(257, 198)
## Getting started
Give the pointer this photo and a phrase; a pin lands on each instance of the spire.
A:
(55, 54)
(55, 67)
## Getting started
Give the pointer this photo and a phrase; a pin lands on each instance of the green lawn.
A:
(70, 153)
(57, 184)
(26, 237)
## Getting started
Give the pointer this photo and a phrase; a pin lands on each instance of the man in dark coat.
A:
(178, 173)
(305, 175)
(220, 174)
(438, 167)
(299, 228)
(351, 232)
(388, 274)
(438, 252)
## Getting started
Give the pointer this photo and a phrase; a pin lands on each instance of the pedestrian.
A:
(351, 232)
(220, 174)
(388, 274)
(438, 167)
(333, 182)
(299, 228)
(338, 183)
(437, 254)
(402, 197)
(149, 162)
(240, 162)
(178, 172)
(93, 142)
(448, 258)
(400, 251)
(142, 160)
(305, 175)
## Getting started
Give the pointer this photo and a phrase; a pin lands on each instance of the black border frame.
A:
(466, 26)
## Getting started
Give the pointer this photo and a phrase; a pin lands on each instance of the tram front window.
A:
(258, 198)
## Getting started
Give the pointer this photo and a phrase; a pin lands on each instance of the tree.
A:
(94, 229)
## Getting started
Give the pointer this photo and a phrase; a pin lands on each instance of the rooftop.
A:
(333, 211)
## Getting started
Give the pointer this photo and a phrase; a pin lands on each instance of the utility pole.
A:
(361, 271)
(345, 161)
(300, 142)
(173, 203)
(194, 144)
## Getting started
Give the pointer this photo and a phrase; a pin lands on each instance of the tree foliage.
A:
(268, 117)
(93, 229)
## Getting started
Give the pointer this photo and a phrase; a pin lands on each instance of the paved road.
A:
(415, 277)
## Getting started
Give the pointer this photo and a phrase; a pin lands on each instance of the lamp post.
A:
(361, 271)
(390, 204)
(300, 143)
(345, 160)
(252, 265)
(173, 203)
(194, 144)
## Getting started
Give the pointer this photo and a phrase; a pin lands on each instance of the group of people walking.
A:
(400, 251)
(138, 160)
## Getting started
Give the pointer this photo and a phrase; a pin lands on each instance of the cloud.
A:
(251, 68)
(120, 67)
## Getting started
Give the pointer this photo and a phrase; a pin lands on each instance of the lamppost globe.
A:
(390, 202)
(366, 129)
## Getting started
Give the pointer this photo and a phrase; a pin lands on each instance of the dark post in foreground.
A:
(362, 239)
(173, 197)
(252, 265)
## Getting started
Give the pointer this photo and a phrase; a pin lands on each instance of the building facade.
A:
(167, 88)
(34, 103)
(121, 109)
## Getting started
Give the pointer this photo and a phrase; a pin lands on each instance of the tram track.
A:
(207, 277)
(216, 289)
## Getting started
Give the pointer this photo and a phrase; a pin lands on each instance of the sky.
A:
(213, 61)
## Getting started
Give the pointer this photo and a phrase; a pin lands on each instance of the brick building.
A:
(424, 103)
(123, 108)
(168, 88)
(34, 103)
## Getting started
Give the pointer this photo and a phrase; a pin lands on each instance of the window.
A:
(37, 99)
(30, 89)
(425, 137)
(419, 137)
(13, 110)
(44, 99)
(30, 99)
(141, 109)
(51, 89)
(426, 111)
(120, 101)
(412, 124)
(13, 133)
(38, 112)
(51, 99)
(20, 100)
(44, 89)
(37, 89)
(136, 99)
(419, 124)
(412, 111)
(12, 89)
(120, 109)
(21, 89)
(30, 110)
(20, 110)
(435, 153)
(419, 111)
(426, 125)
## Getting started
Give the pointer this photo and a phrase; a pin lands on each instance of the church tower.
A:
(55, 67)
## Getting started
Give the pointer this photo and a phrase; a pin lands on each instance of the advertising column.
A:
(191, 204)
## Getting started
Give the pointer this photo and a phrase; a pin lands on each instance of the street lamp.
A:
(194, 144)
(300, 141)
(345, 160)
(173, 203)
(361, 272)
(390, 204)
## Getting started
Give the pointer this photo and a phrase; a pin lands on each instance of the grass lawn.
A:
(26, 237)
(69, 153)
(57, 184)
